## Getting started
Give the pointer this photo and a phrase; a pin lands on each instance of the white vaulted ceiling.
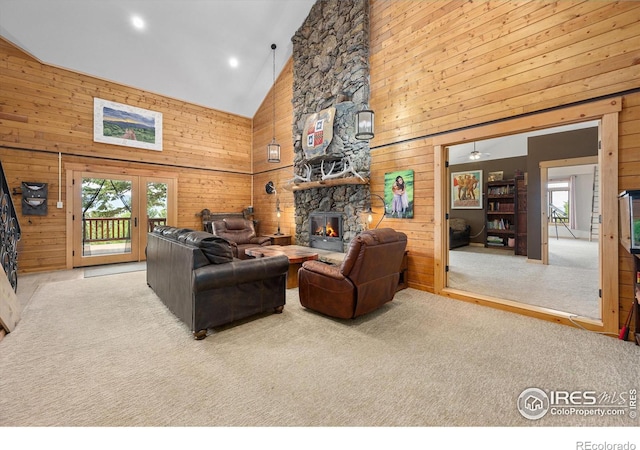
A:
(182, 52)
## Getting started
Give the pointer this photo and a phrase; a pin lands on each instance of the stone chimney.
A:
(331, 69)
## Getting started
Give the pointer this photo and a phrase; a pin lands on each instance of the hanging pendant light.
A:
(273, 149)
(364, 125)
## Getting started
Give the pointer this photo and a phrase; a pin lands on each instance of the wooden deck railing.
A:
(113, 229)
(106, 229)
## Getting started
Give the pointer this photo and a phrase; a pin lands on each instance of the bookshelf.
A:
(500, 211)
(521, 215)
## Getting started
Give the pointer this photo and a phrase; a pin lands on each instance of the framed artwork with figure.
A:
(398, 194)
(466, 190)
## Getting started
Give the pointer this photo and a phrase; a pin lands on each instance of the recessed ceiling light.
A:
(233, 62)
(137, 22)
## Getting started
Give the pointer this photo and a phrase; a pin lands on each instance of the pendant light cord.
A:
(273, 92)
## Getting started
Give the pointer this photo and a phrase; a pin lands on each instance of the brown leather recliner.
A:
(367, 278)
(241, 233)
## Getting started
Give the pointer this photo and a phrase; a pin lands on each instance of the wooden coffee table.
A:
(296, 254)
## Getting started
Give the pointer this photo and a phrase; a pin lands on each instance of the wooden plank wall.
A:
(55, 112)
(443, 65)
(45, 110)
(628, 179)
(279, 173)
(43, 243)
(416, 155)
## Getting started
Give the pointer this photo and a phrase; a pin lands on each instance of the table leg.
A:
(292, 275)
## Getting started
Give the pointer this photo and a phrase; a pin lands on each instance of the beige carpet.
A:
(568, 284)
(113, 269)
(104, 351)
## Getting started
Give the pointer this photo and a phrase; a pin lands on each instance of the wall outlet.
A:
(59, 205)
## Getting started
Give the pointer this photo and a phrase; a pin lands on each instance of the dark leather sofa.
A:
(196, 276)
(367, 278)
(459, 233)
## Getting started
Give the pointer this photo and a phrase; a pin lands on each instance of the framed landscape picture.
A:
(118, 124)
(466, 190)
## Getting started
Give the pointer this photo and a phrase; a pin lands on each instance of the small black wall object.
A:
(34, 198)
(270, 188)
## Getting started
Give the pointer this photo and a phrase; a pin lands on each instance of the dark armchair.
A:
(240, 232)
(459, 233)
(367, 278)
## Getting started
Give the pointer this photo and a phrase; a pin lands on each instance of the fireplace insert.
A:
(326, 231)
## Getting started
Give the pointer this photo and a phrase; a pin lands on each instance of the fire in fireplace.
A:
(326, 231)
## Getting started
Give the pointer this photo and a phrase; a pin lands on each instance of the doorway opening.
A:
(567, 277)
(607, 320)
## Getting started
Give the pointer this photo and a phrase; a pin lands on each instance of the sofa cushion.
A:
(457, 224)
(233, 223)
(216, 249)
(160, 229)
(173, 232)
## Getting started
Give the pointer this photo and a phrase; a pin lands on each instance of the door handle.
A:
(135, 222)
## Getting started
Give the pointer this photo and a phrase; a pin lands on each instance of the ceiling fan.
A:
(474, 155)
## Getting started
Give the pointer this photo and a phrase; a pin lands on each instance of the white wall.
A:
(584, 193)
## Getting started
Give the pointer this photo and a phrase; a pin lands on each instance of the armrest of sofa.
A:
(239, 272)
(260, 240)
(460, 232)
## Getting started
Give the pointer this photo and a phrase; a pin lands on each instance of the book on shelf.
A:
(501, 190)
(501, 224)
(506, 207)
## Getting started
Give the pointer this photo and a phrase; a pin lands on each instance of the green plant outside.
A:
(636, 233)
(147, 135)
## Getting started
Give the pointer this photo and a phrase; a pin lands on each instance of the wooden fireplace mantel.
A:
(301, 186)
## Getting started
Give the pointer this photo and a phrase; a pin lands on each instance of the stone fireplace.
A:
(325, 231)
(331, 70)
